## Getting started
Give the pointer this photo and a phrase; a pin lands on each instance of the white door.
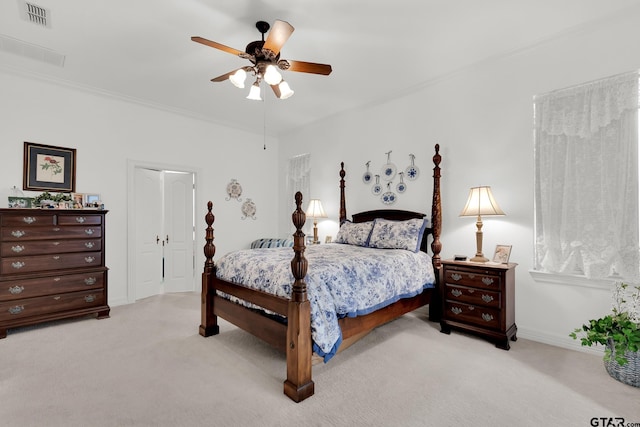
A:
(179, 233)
(164, 235)
(148, 228)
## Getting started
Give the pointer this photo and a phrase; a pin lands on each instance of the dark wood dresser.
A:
(51, 266)
(480, 298)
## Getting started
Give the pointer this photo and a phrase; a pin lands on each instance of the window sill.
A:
(572, 280)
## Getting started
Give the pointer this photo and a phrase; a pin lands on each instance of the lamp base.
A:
(479, 259)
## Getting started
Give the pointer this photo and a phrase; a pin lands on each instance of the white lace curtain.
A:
(586, 179)
(298, 179)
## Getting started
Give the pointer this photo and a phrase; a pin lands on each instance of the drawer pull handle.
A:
(456, 310)
(18, 233)
(16, 309)
(15, 290)
(80, 219)
(89, 259)
(56, 228)
(56, 279)
(17, 249)
(487, 298)
(487, 317)
(456, 292)
(17, 264)
(56, 257)
(487, 281)
(55, 243)
(89, 245)
(29, 219)
(90, 281)
(88, 231)
(57, 297)
(456, 276)
(89, 298)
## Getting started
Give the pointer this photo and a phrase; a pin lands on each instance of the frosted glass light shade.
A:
(285, 90)
(238, 78)
(272, 76)
(254, 93)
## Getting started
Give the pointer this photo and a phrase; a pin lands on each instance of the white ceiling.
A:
(141, 49)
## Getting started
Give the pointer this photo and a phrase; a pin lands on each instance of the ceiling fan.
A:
(265, 57)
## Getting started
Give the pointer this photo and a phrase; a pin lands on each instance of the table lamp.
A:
(480, 202)
(315, 211)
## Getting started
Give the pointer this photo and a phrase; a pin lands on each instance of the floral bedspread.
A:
(342, 280)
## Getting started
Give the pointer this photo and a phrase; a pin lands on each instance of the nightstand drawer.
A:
(467, 313)
(474, 296)
(478, 279)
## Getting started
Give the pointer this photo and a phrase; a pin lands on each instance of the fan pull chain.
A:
(264, 121)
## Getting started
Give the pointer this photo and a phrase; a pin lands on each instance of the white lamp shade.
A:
(254, 93)
(481, 202)
(272, 76)
(238, 78)
(315, 209)
(285, 90)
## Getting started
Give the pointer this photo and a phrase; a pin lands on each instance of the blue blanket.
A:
(342, 280)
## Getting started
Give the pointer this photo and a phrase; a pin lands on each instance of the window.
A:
(298, 179)
(586, 180)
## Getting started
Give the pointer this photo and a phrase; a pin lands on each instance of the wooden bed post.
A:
(209, 321)
(343, 205)
(435, 306)
(436, 210)
(299, 385)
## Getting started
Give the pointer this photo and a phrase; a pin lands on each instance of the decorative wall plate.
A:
(234, 190)
(388, 197)
(377, 188)
(367, 177)
(401, 187)
(412, 170)
(248, 209)
(388, 170)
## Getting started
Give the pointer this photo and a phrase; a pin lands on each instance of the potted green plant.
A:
(619, 332)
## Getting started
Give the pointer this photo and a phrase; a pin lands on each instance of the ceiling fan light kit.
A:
(265, 57)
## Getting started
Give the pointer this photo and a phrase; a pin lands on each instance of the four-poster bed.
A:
(285, 322)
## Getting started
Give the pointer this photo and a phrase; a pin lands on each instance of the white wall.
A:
(108, 132)
(482, 117)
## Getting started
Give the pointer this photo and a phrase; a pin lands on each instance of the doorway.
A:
(161, 230)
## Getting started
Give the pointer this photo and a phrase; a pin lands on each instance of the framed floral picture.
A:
(49, 168)
(502, 254)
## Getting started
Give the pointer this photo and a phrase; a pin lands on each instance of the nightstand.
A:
(479, 298)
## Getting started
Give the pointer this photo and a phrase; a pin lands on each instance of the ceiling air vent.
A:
(35, 14)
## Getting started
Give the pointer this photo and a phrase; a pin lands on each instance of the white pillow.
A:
(354, 234)
(387, 234)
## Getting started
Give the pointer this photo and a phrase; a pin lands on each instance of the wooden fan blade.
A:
(276, 90)
(278, 36)
(309, 67)
(217, 45)
(224, 76)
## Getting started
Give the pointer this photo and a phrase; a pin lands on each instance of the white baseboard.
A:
(558, 341)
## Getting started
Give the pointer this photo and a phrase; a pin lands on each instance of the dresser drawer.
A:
(55, 232)
(12, 310)
(27, 288)
(475, 296)
(27, 219)
(37, 247)
(467, 313)
(472, 278)
(77, 219)
(29, 264)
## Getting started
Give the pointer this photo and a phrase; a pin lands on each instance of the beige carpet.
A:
(147, 366)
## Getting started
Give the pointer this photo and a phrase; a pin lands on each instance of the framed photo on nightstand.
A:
(502, 254)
